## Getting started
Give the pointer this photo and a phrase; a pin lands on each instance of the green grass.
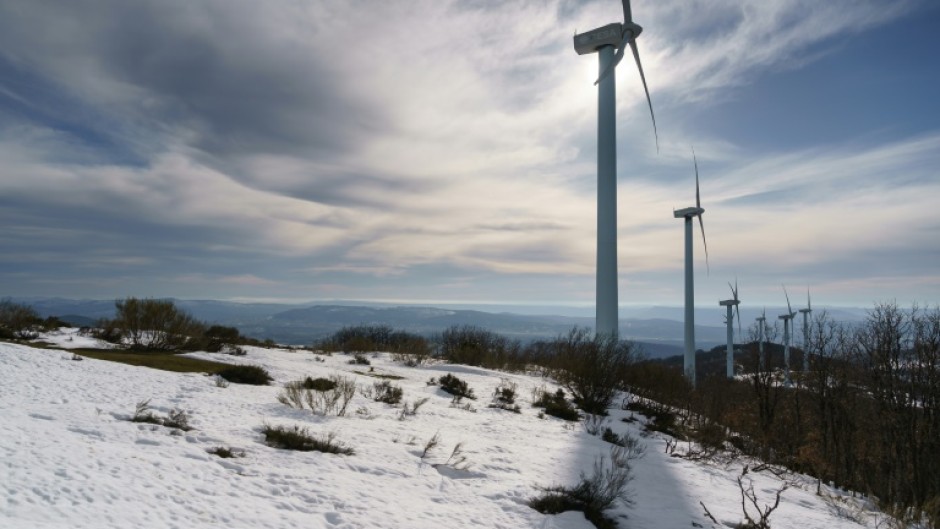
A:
(156, 360)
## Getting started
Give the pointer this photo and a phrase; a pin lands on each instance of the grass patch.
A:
(379, 375)
(225, 452)
(297, 438)
(163, 361)
(246, 374)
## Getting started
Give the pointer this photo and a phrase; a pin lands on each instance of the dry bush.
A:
(591, 367)
(320, 396)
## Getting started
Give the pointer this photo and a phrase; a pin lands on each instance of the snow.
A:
(70, 458)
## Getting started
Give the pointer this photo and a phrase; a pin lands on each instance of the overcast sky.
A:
(444, 151)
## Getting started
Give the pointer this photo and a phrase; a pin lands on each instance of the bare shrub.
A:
(410, 410)
(320, 396)
(762, 514)
(177, 418)
(591, 367)
(594, 495)
(431, 445)
(594, 424)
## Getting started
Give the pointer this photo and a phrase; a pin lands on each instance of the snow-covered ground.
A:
(69, 457)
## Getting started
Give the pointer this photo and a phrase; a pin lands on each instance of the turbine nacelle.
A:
(688, 213)
(609, 35)
(729, 302)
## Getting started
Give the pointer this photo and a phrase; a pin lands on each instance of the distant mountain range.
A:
(658, 329)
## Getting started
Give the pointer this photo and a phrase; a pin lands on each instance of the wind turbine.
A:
(787, 318)
(688, 214)
(806, 312)
(729, 320)
(760, 343)
(610, 42)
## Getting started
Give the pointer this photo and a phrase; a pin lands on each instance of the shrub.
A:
(319, 384)
(322, 396)
(609, 436)
(364, 338)
(360, 359)
(410, 350)
(479, 347)
(387, 392)
(594, 495)
(153, 324)
(142, 413)
(660, 418)
(177, 418)
(504, 396)
(556, 405)
(410, 410)
(18, 321)
(217, 337)
(297, 438)
(591, 367)
(246, 374)
(456, 387)
(225, 452)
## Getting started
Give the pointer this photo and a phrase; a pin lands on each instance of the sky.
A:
(439, 151)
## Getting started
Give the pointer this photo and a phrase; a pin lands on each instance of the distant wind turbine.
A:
(760, 339)
(729, 321)
(787, 318)
(605, 40)
(806, 312)
(688, 214)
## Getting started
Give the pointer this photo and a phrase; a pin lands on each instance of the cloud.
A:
(320, 141)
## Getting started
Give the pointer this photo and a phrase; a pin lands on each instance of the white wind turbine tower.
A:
(729, 321)
(610, 42)
(688, 214)
(760, 342)
(787, 318)
(806, 312)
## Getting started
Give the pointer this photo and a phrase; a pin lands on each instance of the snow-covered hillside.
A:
(70, 458)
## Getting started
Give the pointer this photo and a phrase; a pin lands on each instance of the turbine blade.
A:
(733, 293)
(639, 65)
(736, 289)
(702, 226)
(737, 311)
(627, 13)
(789, 309)
(809, 302)
(698, 197)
